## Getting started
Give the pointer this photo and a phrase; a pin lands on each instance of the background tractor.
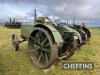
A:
(83, 31)
(13, 24)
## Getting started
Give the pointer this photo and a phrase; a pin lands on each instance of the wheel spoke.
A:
(46, 58)
(47, 45)
(44, 41)
(34, 50)
(43, 55)
(38, 36)
(39, 58)
(33, 38)
(46, 50)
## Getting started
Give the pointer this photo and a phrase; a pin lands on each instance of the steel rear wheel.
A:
(41, 50)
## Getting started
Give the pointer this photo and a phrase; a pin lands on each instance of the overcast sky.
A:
(83, 10)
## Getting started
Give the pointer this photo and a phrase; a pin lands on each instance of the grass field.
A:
(18, 63)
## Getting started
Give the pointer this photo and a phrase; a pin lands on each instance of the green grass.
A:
(18, 63)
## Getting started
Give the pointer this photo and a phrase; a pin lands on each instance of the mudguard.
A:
(78, 36)
(56, 35)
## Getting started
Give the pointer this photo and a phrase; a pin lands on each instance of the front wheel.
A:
(15, 42)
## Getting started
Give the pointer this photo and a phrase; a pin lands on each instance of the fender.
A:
(73, 30)
(56, 35)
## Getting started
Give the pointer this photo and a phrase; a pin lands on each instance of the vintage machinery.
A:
(83, 31)
(77, 36)
(13, 24)
(47, 42)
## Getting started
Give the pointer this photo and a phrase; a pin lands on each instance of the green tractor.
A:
(83, 31)
(77, 36)
(47, 41)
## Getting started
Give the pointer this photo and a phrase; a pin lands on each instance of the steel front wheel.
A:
(15, 42)
(41, 50)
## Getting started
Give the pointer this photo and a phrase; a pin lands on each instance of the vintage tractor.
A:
(86, 30)
(47, 41)
(13, 24)
(77, 36)
(83, 31)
